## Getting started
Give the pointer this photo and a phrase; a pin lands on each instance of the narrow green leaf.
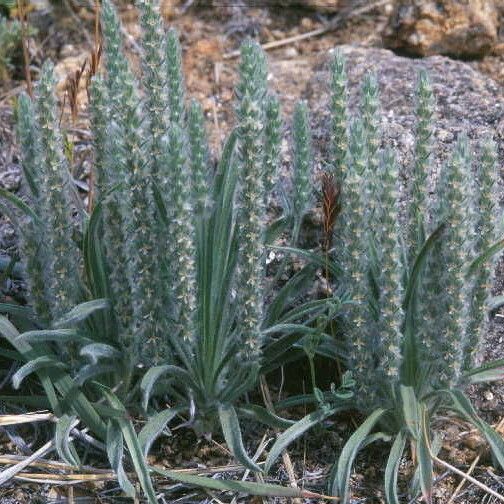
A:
(319, 260)
(276, 228)
(115, 451)
(62, 442)
(232, 435)
(11, 355)
(392, 468)
(484, 257)
(81, 312)
(340, 478)
(133, 445)
(53, 378)
(294, 432)
(44, 335)
(94, 258)
(37, 364)
(96, 351)
(19, 204)
(33, 401)
(493, 371)
(418, 265)
(149, 380)
(463, 406)
(160, 204)
(424, 458)
(17, 310)
(154, 427)
(411, 364)
(91, 371)
(262, 415)
(294, 288)
(410, 410)
(245, 487)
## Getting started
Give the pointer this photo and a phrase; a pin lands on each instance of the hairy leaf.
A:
(294, 432)
(340, 477)
(392, 468)
(232, 435)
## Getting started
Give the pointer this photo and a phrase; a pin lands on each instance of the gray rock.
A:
(466, 101)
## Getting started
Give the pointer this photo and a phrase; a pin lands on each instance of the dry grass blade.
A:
(11, 472)
(75, 478)
(25, 418)
(53, 465)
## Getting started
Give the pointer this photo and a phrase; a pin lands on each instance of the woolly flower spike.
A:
(154, 73)
(98, 98)
(391, 293)
(175, 78)
(303, 161)
(107, 140)
(143, 268)
(115, 62)
(138, 212)
(371, 124)
(31, 243)
(200, 158)
(36, 258)
(423, 148)
(456, 211)
(488, 229)
(339, 99)
(354, 265)
(63, 268)
(273, 139)
(182, 231)
(251, 91)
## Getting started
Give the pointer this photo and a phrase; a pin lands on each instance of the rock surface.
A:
(460, 28)
(466, 101)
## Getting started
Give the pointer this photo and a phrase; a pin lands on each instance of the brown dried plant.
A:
(331, 207)
(72, 89)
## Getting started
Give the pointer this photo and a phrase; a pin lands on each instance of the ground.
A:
(209, 36)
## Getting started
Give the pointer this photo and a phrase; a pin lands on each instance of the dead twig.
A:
(335, 23)
(25, 418)
(11, 472)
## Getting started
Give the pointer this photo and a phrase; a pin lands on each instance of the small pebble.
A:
(488, 395)
(291, 52)
(307, 23)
